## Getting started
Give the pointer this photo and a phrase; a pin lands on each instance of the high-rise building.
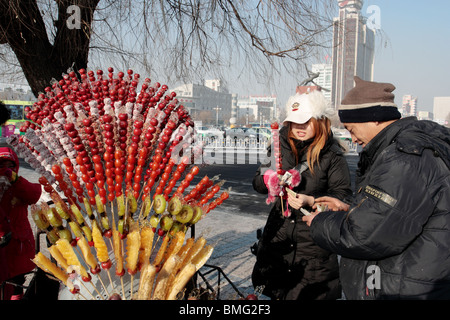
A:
(325, 77)
(353, 49)
(409, 106)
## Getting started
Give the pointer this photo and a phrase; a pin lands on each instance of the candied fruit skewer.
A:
(133, 245)
(45, 264)
(102, 251)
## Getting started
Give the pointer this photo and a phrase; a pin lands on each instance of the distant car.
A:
(238, 133)
(209, 133)
(260, 133)
(342, 134)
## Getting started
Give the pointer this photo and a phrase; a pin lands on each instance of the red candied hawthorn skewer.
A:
(276, 147)
(175, 177)
(136, 186)
(79, 191)
(118, 172)
(218, 201)
(164, 178)
(108, 132)
(99, 172)
(211, 193)
(156, 159)
(198, 188)
(133, 148)
(150, 137)
(187, 179)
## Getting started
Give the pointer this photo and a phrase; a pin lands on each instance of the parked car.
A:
(239, 133)
(260, 133)
(210, 133)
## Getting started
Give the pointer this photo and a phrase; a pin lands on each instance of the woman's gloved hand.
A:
(4, 240)
(9, 173)
(272, 182)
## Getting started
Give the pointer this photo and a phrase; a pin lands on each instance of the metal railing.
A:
(240, 143)
(254, 144)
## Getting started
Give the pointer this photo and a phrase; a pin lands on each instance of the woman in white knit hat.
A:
(289, 264)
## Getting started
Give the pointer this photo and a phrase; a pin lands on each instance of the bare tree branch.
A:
(179, 39)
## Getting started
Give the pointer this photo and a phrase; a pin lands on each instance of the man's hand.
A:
(333, 204)
(309, 219)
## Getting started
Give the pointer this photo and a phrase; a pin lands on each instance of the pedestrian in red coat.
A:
(17, 245)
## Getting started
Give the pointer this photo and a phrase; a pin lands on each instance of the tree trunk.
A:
(22, 27)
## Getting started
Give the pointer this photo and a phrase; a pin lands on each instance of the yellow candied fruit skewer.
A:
(193, 251)
(56, 254)
(117, 242)
(163, 278)
(175, 245)
(99, 244)
(185, 249)
(180, 281)
(147, 236)
(87, 254)
(148, 273)
(161, 251)
(45, 264)
(72, 260)
(133, 245)
(202, 256)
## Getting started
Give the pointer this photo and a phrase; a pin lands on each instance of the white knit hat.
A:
(302, 107)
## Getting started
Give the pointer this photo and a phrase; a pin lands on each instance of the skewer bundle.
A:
(116, 163)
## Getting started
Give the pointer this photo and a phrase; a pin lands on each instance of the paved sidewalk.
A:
(232, 235)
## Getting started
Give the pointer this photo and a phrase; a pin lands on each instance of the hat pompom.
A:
(302, 107)
(321, 106)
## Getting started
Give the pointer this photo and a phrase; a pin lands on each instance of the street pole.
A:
(217, 115)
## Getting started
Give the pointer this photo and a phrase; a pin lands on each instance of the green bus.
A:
(17, 109)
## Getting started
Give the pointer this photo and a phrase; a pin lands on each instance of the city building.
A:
(353, 49)
(10, 91)
(217, 85)
(325, 77)
(409, 106)
(260, 109)
(441, 110)
(425, 115)
(209, 103)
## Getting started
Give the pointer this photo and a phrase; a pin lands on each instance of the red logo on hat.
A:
(295, 106)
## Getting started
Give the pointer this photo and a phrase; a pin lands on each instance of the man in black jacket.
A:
(394, 239)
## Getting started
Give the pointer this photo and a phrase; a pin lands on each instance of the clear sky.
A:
(413, 48)
(412, 52)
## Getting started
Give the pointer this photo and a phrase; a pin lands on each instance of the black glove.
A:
(5, 240)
